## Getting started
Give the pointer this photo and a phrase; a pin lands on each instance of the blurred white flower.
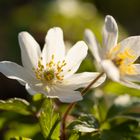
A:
(116, 60)
(122, 100)
(68, 7)
(98, 93)
(73, 8)
(50, 72)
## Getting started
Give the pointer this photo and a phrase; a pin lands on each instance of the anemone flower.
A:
(50, 72)
(117, 60)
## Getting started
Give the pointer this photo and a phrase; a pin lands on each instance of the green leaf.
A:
(90, 136)
(128, 130)
(125, 107)
(84, 136)
(85, 123)
(74, 136)
(21, 129)
(17, 105)
(49, 120)
(20, 138)
(111, 135)
(36, 102)
(100, 107)
(118, 89)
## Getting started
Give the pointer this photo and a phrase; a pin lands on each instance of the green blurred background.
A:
(73, 16)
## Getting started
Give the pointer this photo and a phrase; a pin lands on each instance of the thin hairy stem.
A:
(63, 122)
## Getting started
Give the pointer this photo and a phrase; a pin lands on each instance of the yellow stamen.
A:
(126, 54)
(113, 51)
(123, 60)
(48, 74)
(127, 69)
(53, 57)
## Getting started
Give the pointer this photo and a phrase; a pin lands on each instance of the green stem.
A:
(83, 92)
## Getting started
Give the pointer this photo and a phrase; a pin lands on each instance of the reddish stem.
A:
(63, 123)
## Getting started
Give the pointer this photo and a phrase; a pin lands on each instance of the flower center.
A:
(51, 72)
(123, 60)
(49, 75)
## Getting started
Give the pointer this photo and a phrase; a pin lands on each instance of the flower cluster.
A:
(52, 70)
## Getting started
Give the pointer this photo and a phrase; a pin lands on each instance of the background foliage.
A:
(111, 112)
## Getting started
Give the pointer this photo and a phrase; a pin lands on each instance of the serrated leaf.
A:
(17, 105)
(20, 138)
(85, 123)
(49, 120)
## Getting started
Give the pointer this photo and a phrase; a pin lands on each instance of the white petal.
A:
(93, 45)
(84, 79)
(137, 68)
(111, 70)
(35, 88)
(132, 78)
(66, 95)
(74, 58)
(62, 93)
(30, 50)
(30, 90)
(132, 43)
(110, 33)
(129, 84)
(54, 45)
(15, 71)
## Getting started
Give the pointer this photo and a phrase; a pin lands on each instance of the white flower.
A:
(50, 72)
(116, 60)
(122, 100)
